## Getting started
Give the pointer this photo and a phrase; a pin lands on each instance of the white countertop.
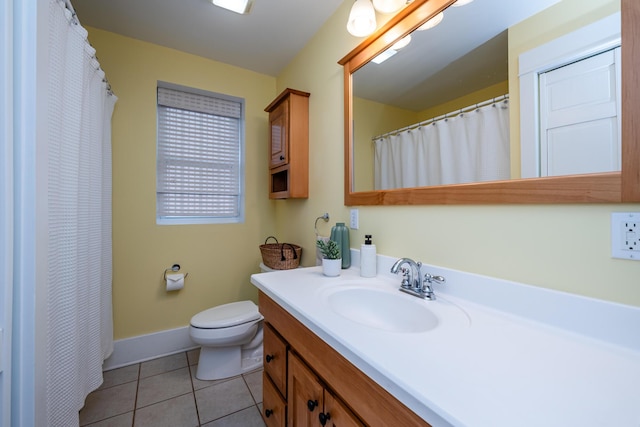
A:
(486, 364)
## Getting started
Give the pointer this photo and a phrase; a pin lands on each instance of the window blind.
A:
(198, 156)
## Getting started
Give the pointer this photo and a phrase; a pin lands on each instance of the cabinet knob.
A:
(268, 412)
(324, 418)
(281, 157)
(312, 404)
(269, 358)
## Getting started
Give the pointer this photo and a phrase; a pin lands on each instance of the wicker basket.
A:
(280, 256)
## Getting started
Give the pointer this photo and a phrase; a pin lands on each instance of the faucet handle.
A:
(406, 280)
(429, 278)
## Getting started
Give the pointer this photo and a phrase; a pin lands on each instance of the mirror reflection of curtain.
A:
(469, 147)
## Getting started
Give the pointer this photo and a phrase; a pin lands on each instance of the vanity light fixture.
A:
(388, 6)
(431, 22)
(362, 19)
(238, 6)
(392, 50)
(461, 3)
(402, 42)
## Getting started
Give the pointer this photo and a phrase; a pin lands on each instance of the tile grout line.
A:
(193, 389)
(135, 399)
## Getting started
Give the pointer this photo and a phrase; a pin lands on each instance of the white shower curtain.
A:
(470, 147)
(79, 325)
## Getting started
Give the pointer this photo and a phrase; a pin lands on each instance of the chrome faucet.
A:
(410, 276)
(412, 281)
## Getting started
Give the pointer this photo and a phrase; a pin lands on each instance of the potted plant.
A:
(331, 258)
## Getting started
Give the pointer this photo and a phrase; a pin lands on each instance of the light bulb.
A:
(388, 6)
(362, 19)
(432, 22)
(402, 42)
(461, 3)
(237, 6)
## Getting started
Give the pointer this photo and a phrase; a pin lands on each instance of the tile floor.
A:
(165, 392)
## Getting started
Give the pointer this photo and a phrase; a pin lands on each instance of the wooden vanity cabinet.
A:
(275, 358)
(338, 414)
(274, 378)
(274, 405)
(311, 404)
(315, 371)
(289, 145)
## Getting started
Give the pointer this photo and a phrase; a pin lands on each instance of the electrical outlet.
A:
(625, 235)
(354, 219)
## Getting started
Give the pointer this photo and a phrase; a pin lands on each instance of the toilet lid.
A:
(226, 315)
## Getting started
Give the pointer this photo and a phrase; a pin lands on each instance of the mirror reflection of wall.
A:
(384, 107)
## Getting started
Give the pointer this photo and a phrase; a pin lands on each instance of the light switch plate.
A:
(354, 220)
(625, 235)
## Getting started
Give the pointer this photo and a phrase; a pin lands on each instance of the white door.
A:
(6, 213)
(23, 43)
(579, 116)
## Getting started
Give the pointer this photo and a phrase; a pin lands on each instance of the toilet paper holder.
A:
(174, 268)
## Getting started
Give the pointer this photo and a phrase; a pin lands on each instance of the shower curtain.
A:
(469, 147)
(79, 327)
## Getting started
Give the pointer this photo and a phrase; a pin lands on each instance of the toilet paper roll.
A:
(175, 282)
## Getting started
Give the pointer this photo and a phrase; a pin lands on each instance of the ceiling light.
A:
(432, 22)
(384, 56)
(388, 6)
(402, 42)
(362, 19)
(461, 3)
(237, 6)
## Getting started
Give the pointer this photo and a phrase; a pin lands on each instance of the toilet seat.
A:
(227, 315)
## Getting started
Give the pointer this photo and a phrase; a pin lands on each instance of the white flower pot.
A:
(331, 267)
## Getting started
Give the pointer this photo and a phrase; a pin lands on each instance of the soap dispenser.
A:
(368, 258)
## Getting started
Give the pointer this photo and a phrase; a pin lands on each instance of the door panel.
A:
(305, 395)
(579, 120)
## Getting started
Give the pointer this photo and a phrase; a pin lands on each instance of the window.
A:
(200, 157)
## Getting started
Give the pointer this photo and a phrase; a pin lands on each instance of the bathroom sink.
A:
(382, 310)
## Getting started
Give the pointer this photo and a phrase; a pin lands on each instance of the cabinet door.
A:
(305, 401)
(279, 137)
(274, 406)
(336, 414)
(275, 358)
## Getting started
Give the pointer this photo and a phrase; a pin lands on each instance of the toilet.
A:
(230, 336)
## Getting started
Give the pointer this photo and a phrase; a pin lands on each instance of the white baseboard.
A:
(145, 347)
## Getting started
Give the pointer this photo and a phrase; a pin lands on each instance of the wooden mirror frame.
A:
(612, 187)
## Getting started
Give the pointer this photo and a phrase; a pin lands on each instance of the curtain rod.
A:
(449, 115)
(72, 10)
(76, 21)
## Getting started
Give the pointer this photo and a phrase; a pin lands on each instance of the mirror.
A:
(607, 187)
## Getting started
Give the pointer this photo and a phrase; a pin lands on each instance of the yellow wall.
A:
(547, 25)
(476, 97)
(218, 258)
(563, 247)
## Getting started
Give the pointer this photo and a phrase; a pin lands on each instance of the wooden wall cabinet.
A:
(322, 386)
(289, 145)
